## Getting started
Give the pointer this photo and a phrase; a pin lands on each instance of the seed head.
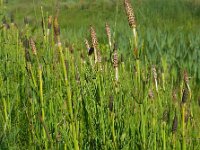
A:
(108, 30)
(49, 22)
(154, 73)
(130, 13)
(56, 27)
(150, 94)
(26, 46)
(175, 124)
(33, 47)
(90, 49)
(186, 78)
(185, 95)
(108, 33)
(93, 37)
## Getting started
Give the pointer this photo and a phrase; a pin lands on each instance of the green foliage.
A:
(59, 99)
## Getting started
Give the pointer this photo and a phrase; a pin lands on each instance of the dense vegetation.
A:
(122, 91)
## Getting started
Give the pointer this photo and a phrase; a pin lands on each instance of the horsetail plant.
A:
(132, 23)
(185, 93)
(108, 33)
(42, 105)
(33, 47)
(69, 101)
(94, 43)
(66, 102)
(34, 50)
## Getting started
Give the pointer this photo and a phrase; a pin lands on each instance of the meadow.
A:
(100, 74)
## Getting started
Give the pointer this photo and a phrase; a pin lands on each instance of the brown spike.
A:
(108, 33)
(130, 13)
(185, 95)
(93, 37)
(49, 22)
(175, 124)
(97, 55)
(33, 47)
(150, 94)
(186, 78)
(155, 77)
(26, 46)
(56, 27)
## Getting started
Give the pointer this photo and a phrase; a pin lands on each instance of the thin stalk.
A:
(174, 141)
(44, 27)
(42, 104)
(154, 122)
(32, 75)
(143, 127)
(69, 101)
(5, 109)
(95, 55)
(135, 43)
(183, 128)
(164, 136)
(138, 73)
(116, 74)
(99, 79)
(113, 128)
(163, 81)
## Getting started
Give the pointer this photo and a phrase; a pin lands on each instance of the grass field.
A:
(68, 81)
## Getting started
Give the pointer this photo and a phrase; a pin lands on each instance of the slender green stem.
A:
(183, 128)
(42, 105)
(69, 102)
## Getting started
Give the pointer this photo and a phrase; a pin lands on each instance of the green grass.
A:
(58, 100)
